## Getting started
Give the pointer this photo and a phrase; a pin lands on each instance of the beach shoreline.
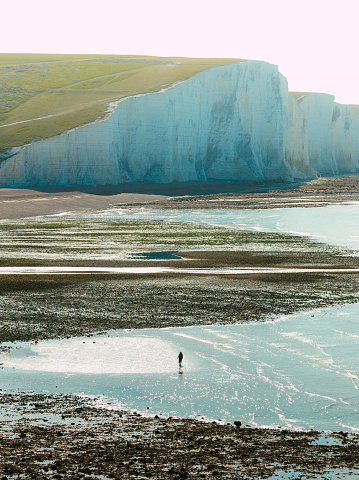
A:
(66, 436)
(72, 437)
(22, 203)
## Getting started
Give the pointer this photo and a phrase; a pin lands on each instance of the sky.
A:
(313, 42)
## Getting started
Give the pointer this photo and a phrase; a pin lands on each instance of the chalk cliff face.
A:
(333, 134)
(234, 122)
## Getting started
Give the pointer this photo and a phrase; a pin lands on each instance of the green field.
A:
(71, 90)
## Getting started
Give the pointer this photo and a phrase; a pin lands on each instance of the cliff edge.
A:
(235, 122)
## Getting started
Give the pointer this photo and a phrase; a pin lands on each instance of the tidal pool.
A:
(299, 371)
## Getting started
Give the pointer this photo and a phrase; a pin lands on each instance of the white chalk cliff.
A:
(234, 122)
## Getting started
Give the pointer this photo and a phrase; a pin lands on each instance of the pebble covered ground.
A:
(44, 307)
(54, 437)
(66, 437)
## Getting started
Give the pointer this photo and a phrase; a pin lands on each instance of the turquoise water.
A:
(299, 371)
(334, 225)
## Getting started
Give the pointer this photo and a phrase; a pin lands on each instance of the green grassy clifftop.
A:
(45, 95)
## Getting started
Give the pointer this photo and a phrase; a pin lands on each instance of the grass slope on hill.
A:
(71, 90)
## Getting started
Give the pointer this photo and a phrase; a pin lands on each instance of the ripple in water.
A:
(299, 372)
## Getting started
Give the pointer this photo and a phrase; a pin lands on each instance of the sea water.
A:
(333, 225)
(299, 371)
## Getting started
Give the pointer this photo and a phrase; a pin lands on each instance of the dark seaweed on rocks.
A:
(67, 437)
(71, 438)
(77, 305)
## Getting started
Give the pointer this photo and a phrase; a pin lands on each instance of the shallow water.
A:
(166, 255)
(334, 225)
(299, 372)
(330, 474)
(146, 270)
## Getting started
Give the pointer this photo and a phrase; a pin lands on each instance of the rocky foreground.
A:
(64, 437)
(54, 437)
(41, 307)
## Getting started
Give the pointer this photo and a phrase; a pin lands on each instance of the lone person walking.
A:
(180, 358)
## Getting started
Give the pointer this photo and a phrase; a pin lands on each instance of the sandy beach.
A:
(20, 203)
(73, 438)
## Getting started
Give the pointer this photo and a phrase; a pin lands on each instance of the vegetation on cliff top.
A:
(44, 95)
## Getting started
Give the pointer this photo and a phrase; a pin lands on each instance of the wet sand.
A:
(20, 203)
(318, 192)
(65, 437)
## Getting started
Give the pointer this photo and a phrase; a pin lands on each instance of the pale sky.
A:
(313, 42)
